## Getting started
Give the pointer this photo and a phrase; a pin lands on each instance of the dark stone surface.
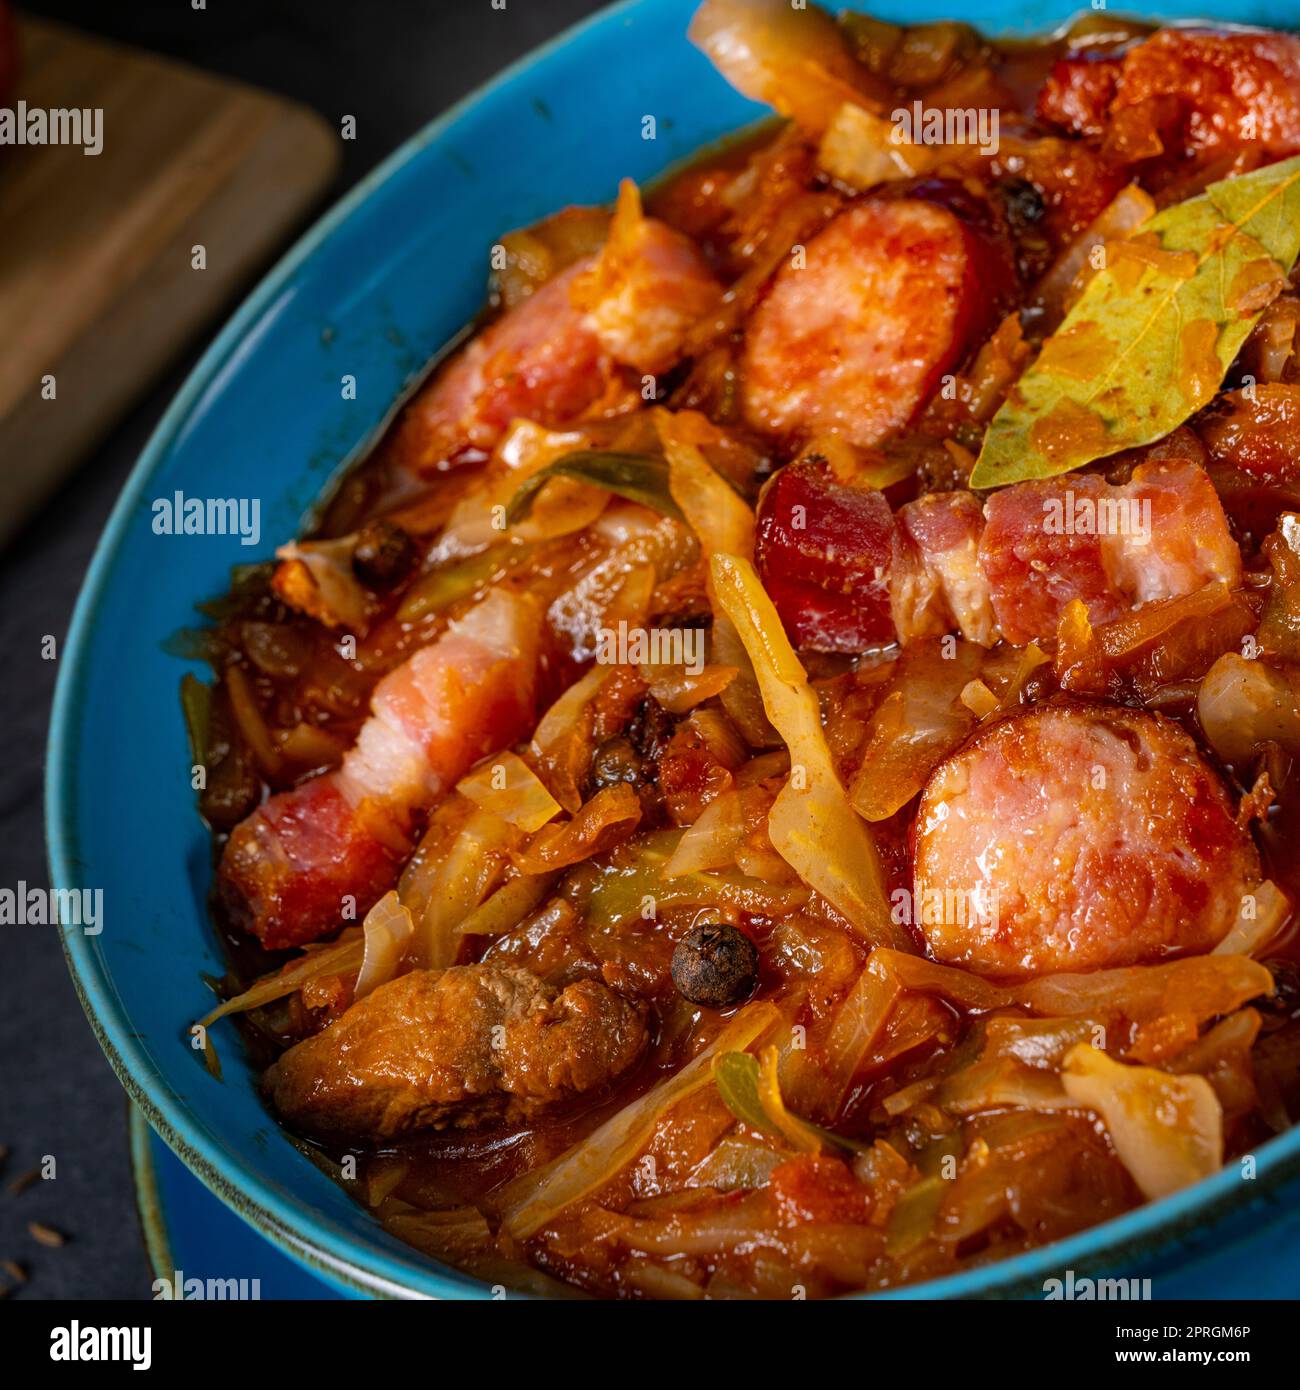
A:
(394, 64)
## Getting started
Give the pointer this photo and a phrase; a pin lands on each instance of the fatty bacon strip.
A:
(289, 867)
(847, 573)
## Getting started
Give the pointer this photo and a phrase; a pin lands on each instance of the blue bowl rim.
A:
(292, 1225)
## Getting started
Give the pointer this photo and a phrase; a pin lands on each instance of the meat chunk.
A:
(449, 704)
(1253, 439)
(1078, 92)
(1185, 94)
(824, 553)
(555, 357)
(1187, 544)
(289, 868)
(845, 574)
(456, 1048)
(1255, 433)
(852, 339)
(936, 585)
(646, 288)
(1076, 836)
(690, 773)
(1160, 535)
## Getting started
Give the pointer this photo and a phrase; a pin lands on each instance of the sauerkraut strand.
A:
(812, 825)
(536, 1198)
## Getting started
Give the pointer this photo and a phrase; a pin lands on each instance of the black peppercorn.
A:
(1024, 203)
(384, 555)
(715, 965)
(613, 762)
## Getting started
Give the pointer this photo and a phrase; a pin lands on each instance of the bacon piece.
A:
(824, 553)
(845, 575)
(1190, 95)
(540, 361)
(1190, 544)
(1160, 535)
(1077, 836)
(555, 357)
(646, 288)
(936, 583)
(852, 342)
(1038, 554)
(289, 866)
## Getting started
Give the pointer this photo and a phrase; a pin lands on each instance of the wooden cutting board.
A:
(97, 284)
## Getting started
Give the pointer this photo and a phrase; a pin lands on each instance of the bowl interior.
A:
(370, 293)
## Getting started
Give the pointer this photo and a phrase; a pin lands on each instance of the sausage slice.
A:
(1076, 836)
(852, 339)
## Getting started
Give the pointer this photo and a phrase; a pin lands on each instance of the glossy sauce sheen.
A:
(898, 289)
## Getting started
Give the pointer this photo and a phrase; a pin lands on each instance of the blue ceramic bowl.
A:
(372, 291)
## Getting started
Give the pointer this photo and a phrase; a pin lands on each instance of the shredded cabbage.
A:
(711, 842)
(559, 743)
(563, 506)
(536, 1198)
(751, 1090)
(508, 906)
(506, 785)
(794, 60)
(1243, 703)
(920, 721)
(811, 825)
(720, 518)
(1263, 911)
(679, 692)
(469, 871)
(338, 958)
(1201, 987)
(862, 149)
(1167, 1130)
(388, 927)
(736, 1165)
(598, 825)
(1130, 207)
(859, 1022)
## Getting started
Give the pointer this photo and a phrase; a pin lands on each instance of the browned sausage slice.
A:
(854, 335)
(1076, 836)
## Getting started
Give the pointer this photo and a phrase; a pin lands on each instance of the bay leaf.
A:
(638, 477)
(737, 1077)
(1151, 337)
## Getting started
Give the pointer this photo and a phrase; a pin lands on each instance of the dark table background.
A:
(395, 64)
